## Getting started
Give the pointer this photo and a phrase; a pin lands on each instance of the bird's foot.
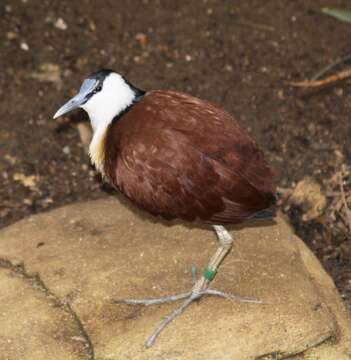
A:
(199, 289)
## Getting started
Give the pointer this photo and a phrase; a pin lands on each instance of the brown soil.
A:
(238, 54)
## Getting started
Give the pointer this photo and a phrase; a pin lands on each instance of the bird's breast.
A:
(97, 150)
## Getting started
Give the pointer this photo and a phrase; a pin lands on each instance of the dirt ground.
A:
(239, 54)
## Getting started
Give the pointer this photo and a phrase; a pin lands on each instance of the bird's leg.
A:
(225, 244)
(200, 286)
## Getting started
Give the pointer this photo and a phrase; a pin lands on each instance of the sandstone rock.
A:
(87, 254)
(33, 326)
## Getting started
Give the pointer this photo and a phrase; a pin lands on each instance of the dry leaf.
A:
(48, 72)
(29, 181)
(309, 196)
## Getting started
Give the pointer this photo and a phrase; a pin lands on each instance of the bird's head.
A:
(103, 95)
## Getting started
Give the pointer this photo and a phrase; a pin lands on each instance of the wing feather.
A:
(178, 156)
(180, 181)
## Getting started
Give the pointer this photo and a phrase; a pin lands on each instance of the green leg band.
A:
(209, 274)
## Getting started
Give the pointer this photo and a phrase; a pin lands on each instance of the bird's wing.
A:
(163, 173)
(208, 128)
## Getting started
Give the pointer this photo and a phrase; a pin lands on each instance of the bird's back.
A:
(175, 155)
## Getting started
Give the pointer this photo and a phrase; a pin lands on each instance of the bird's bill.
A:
(78, 100)
(70, 105)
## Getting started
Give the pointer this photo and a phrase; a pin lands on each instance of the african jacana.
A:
(176, 156)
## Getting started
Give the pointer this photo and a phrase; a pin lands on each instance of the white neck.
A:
(116, 95)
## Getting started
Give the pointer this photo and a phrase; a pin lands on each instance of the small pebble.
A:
(339, 92)
(28, 202)
(10, 35)
(280, 94)
(141, 39)
(138, 59)
(60, 24)
(92, 26)
(24, 46)
(66, 150)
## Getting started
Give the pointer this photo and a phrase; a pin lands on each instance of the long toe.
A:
(232, 296)
(147, 302)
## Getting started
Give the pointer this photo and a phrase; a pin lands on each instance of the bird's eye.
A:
(98, 88)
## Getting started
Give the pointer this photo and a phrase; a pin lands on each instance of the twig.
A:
(9, 206)
(330, 80)
(254, 25)
(347, 209)
(335, 63)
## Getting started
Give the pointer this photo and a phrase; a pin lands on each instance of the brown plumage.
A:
(177, 156)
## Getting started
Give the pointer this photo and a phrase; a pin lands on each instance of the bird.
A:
(176, 156)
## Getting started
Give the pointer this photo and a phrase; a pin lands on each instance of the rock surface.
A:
(60, 271)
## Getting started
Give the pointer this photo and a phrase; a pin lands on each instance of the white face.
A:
(114, 97)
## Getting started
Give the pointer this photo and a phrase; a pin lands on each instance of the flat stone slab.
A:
(33, 326)
(60, 271)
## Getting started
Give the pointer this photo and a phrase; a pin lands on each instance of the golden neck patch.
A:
(97, 150)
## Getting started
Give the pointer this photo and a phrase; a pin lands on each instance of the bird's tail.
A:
(264, 214)
(270, 212)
